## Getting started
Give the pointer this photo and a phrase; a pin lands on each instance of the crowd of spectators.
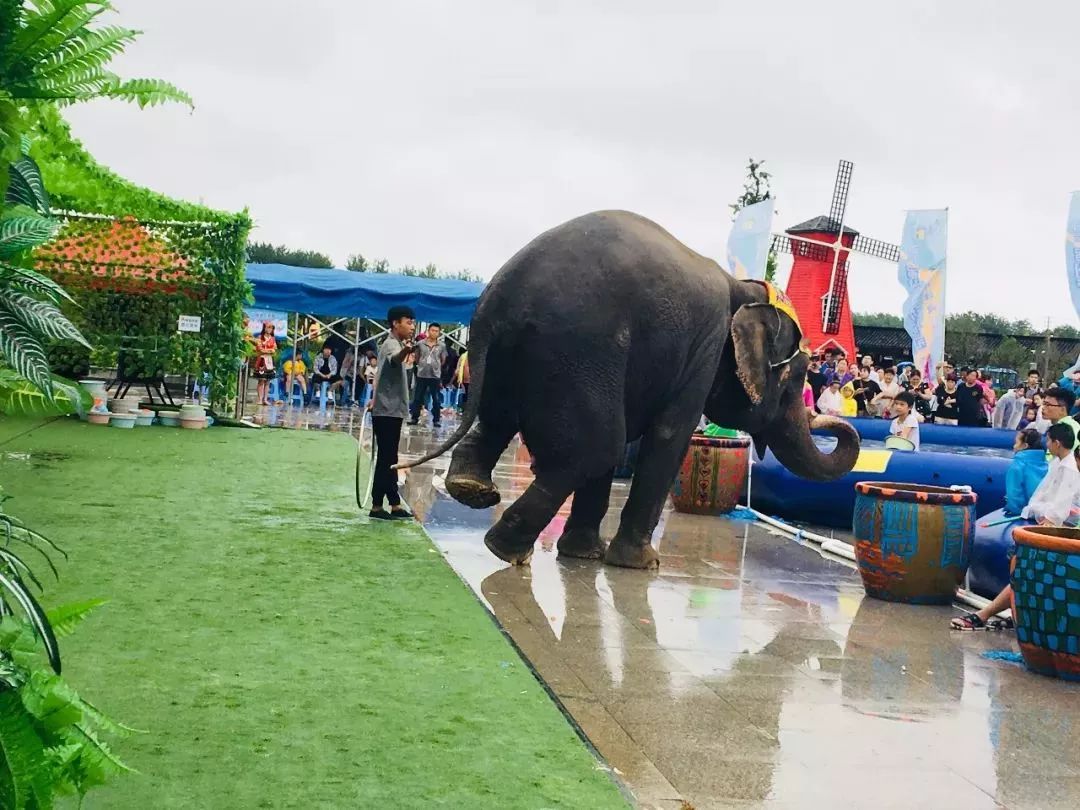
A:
(437, 375)
(962, 396)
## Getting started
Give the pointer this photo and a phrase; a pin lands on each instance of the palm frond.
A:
(20, 233)
(26, 187)
(35, 614)
(23, 278)
(19, 397)
(23, 351)
(16, 534)
(17, 566)
(42, 317)
(18, 530)
(149, 93)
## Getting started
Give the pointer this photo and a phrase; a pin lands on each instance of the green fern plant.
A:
(29, 302)
(50, 738)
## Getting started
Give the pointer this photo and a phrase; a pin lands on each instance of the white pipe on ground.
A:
(845, 551)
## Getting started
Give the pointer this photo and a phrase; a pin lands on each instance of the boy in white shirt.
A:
(906, 423)
(1054, 503)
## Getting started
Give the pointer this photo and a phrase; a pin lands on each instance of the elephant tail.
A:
(478, 349)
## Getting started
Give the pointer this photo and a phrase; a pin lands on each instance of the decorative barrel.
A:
(913, 543)
(713, 475)
(1046, 599)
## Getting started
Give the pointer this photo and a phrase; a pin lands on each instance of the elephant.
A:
(604, 330)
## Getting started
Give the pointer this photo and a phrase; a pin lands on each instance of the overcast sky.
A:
(454, 132)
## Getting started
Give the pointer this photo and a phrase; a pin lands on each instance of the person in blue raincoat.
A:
(1026, 472)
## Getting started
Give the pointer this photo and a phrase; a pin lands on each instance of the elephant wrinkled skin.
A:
(604, 330)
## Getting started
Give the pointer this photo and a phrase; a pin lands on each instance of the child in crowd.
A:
(295, 369)
(906, 423)
(848, 406)
(1054, 503)
(1026, 472)
(265, 347)
(1031, 415)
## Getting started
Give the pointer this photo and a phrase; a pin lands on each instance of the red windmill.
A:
(818, 283)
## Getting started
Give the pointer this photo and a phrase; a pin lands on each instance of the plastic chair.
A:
(296, 396)
(324, 389)
(275, 390)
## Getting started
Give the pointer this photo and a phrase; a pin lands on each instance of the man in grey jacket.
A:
(429, 363)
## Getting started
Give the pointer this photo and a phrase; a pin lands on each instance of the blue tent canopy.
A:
(344, 294)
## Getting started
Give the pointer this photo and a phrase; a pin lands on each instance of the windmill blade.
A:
(876, 248)
(838, 208)
(781, 243)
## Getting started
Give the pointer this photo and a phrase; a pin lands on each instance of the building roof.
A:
(822, 224)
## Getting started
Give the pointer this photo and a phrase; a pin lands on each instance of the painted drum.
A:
(898, 443)
(912, 542)
(1046, 599)
(713, 475)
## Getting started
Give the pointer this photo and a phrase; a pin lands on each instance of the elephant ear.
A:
(754, 331)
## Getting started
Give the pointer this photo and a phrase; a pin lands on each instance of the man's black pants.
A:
(387, 431)
(426, 386)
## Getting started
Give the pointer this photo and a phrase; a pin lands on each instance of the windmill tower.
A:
(822, 248)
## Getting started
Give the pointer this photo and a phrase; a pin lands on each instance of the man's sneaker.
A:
(380, 514)
(400, 514)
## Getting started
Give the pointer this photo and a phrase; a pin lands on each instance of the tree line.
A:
(267, 253)
(972, 322)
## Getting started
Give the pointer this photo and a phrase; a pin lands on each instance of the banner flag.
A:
(1072, 250)
(921, 271)
(748, 244)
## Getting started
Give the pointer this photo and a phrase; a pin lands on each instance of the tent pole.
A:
(355, 358)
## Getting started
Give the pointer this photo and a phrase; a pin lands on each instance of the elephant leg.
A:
(581, 537)
(513, 538)
(661, 454)
(469, 477)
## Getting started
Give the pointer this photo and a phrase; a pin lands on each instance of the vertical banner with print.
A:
(921, 271)
(1072, 250)
(256, 318)
(748, 244)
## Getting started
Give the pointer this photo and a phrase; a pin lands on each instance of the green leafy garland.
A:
(135, 261)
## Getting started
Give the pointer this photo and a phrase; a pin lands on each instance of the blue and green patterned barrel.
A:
(912, 542)
(1046, 599)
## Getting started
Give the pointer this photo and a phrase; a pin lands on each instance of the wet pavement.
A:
(751, 670)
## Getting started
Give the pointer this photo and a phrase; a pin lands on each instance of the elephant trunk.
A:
(793, 445)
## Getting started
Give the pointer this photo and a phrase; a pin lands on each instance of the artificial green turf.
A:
(278, 651)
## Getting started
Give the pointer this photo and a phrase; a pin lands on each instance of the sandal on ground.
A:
(1000, 623)
(380, 514)
(969, 621)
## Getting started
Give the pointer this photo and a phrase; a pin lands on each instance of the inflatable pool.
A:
(989, 571)
(877, 430)
(775, 491)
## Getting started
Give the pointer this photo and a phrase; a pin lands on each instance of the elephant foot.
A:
(582, 543)
(508, 547)
(632, 555)
(474, 492)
